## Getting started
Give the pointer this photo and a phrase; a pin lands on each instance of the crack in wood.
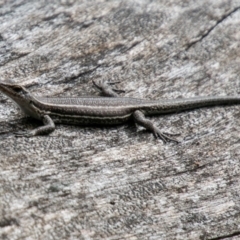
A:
(226, 236)
(224, 17)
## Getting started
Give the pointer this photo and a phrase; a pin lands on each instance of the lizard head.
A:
(21, 96)
(16, 92)
(13, 90)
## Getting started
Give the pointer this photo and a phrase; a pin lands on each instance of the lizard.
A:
(109, 110)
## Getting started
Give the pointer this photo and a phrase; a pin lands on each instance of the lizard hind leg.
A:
(141, 120)
(106, 89)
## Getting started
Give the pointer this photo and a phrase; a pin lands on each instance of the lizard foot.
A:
(106, 89)
(165, 137)
(24, 134)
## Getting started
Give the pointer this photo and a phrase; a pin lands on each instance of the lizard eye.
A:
(17, 88)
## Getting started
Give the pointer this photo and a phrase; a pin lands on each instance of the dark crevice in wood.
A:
(225, 16)
(132, 46)
(226, 236)
(8, 222)
(14, 56)
(74, 77)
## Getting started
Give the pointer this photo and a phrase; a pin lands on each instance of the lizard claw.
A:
(172, 134)
(24, 134)
(118, 90)
(113, 83)
(165, 137)
(97, 85)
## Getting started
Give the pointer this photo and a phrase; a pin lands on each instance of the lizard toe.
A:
(23, 134)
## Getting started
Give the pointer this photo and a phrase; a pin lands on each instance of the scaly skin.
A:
(103, 110)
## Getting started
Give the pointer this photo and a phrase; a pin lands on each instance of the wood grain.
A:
(120, 182)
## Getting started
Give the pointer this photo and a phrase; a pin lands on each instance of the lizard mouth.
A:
(12, 90)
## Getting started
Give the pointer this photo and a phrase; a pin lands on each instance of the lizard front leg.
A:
(48, 127)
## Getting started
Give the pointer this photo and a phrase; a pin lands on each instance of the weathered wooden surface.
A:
(120, 182)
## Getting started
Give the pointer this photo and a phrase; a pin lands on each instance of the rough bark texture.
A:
(120, 182)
